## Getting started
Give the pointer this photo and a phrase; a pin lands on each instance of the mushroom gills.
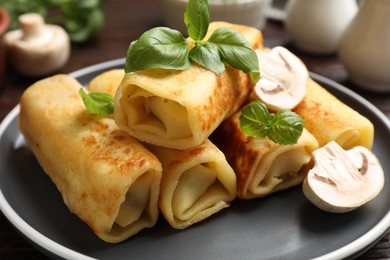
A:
(283, 80)
(342, 180)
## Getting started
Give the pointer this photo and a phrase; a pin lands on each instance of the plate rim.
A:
(357, 246)
(381, 227)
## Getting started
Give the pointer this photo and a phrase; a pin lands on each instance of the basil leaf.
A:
(236, 51)
(207, 56)
(197, 19)
(255, 119)
(285, 127)
(159, 47)
(98, 103)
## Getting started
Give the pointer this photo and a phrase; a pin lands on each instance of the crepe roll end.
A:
(139, 209)
(284, 170)
(153, 119)
(196, 184)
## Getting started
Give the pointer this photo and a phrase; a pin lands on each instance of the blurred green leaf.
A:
(82, 19)
(17, 7)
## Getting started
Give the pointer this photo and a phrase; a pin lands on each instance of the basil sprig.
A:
(98, 103)
(165, 48)
(285, 127)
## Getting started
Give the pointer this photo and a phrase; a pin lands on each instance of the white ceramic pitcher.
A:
(316, 26)
(365, 47)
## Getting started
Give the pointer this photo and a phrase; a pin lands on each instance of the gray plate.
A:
(281, 226)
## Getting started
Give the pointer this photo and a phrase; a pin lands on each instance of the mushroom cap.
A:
(283, 79)
(37, 49)
(341, 180)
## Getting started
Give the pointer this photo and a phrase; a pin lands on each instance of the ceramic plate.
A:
(283, 225)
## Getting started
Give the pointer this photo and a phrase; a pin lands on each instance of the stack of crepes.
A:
(174, 113)
(112, 181)
(117, 173)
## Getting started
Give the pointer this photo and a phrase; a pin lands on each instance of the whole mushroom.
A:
(37, 49)
(341, 180)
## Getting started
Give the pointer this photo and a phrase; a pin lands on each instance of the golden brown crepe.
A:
(196, 183)
(262, 166)
(180, 109)
(328, 119)
(106, 177)
(107, 82)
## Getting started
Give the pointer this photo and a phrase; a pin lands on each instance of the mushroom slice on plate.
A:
(283, 79)
(343, 180)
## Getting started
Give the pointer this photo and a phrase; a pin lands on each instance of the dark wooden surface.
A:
(125, 22)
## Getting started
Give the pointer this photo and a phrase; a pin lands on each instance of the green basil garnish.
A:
(197, 19)
(236, 51)
(159, 47)
(98, 103)
(285, 127)
(165, 48)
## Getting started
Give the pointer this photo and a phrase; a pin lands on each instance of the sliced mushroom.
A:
(283, 79)
(341, 180)
(37, 48)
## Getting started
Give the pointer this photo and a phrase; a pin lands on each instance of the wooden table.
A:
(125, 22)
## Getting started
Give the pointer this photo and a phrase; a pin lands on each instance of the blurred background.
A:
(349, 38)
(316, 27)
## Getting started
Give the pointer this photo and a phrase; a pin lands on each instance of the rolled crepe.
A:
(180, 109)
(262, 166)
(107, 82)
(106, 177)
(196, 183)
(328, 119)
